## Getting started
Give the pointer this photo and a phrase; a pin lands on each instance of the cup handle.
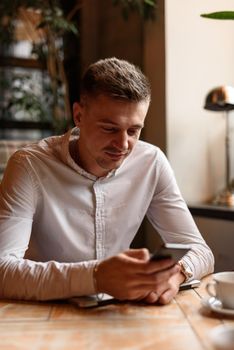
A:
(210, 288)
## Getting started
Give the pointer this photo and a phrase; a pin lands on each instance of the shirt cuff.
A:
(81, 278)
(186, 271)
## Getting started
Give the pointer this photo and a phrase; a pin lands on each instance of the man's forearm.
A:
(29, 280)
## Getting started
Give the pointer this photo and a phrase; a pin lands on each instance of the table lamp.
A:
(221, 99)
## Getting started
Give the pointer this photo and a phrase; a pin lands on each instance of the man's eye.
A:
(133, 132)
(108, 129)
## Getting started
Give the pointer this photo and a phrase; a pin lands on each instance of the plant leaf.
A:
(145, 8)
(150, 2)
(219, 15)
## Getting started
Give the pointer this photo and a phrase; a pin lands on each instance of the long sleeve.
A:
(169, 214)
(26, 279)
(22, 278)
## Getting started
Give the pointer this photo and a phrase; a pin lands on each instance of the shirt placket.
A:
(99, 220)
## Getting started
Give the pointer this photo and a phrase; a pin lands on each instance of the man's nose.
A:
(121, 141)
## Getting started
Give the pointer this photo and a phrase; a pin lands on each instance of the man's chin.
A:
(110, 165)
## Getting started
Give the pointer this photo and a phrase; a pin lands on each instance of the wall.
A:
(199, 57)
(219, 236)
(153, 53)
(105, 33)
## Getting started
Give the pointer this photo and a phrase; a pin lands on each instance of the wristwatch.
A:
(186, 271)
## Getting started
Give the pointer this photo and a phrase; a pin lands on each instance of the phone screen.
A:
(174, 251)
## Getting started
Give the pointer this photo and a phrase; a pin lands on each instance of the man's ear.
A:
(77, 113)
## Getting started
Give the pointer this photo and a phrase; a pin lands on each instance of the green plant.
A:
(223, 15)
(47, 25)
(25, 97)
(47, 19)
(146, 8)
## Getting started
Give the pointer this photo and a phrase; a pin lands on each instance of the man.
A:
(71, 205)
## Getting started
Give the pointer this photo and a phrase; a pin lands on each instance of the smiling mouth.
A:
(116, 156)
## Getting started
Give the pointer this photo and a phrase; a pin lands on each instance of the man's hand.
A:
(170, 291)
(132, 276)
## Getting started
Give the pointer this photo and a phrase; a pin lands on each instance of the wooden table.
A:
(183, 324)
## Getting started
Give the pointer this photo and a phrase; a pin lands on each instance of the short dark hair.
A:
(116, 78)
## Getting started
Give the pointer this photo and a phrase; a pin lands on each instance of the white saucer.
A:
(216, 305)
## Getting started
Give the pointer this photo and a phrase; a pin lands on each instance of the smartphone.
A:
(189, 285)
(92, 300)
(174, 251)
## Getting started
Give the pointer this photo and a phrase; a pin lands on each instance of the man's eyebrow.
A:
(107, 121)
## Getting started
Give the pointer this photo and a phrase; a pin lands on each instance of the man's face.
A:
(109, 129)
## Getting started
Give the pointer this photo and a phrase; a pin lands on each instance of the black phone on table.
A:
(190, 284)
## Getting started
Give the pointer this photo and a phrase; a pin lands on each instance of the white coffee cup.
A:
(222, 288)
(222, 337)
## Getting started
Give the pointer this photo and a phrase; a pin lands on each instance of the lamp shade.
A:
(220, 99)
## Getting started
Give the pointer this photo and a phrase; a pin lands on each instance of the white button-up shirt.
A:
(57, 220)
